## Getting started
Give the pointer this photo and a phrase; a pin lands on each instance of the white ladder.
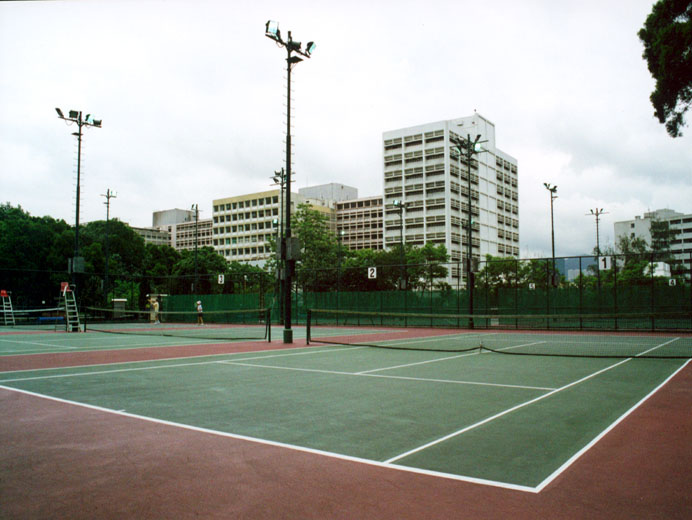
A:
(7, 311)
(71, 311)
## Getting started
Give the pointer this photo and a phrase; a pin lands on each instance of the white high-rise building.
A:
(424, 170)
(680, 226)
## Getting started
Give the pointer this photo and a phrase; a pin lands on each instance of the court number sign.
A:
(605, 262)
(372, 273)
(221, 279)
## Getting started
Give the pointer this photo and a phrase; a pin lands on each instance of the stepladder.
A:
(7, 310)
(71, 310)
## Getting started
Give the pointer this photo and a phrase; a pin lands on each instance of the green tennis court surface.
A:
(513, 421)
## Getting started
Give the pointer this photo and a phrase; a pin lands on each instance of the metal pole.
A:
(469, 235)
(272, 31)
(552, 233)
(280, 245)
(552, 190)
(76, 219)
(401, 246)
(109, 195)
(196, 281)
(289, 262)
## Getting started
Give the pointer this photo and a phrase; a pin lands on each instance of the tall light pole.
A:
(469, 147)
(401, 206)
(75, 117)
(553, 196)
(289, 251)
(195, 208)
(279, 179)
(109, 195)
(597, 213)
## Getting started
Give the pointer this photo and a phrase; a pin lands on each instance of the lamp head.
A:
(60, 114)
(272, 30)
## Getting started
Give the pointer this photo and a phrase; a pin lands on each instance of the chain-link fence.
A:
(616, 284)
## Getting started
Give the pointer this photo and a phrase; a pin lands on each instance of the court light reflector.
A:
(272, 28)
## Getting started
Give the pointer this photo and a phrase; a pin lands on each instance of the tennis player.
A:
(200, 313)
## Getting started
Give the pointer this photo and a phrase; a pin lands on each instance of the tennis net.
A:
(228, 325)
(45, 319)
(613, 336)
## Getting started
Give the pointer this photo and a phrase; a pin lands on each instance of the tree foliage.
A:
(667, 39)
(326, 264)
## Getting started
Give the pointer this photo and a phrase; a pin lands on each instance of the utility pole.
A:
(597, 213)
(109, 195)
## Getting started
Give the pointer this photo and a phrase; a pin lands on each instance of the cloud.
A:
(192, 97)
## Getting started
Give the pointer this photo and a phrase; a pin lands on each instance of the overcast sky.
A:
(192, 95)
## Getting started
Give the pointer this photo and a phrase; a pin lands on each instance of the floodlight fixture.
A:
(310, 48)
(74, 114)
(60, 114)
(272, 30)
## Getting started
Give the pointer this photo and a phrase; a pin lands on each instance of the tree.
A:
(667, 39)
(31, 247)
(426, 265)
(317, 267)
(209, 265)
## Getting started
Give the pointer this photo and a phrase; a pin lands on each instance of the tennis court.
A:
(513, 422)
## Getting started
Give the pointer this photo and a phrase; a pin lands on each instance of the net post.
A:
(308, 323)
(268, 324)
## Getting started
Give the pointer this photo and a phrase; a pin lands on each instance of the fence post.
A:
(548, 284)
(615, 288)
(653, 295)
(581, 296)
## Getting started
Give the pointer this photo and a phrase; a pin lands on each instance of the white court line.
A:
(444, 359)
(105, 346)
(158, 367)
(364, 372)
(501, 414)
(574, 457)
(521, 405)
(35, 343)
(360, 374)
(338, 456)
(294, 447)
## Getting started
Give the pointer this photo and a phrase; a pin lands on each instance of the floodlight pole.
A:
(75, 116)
(279, 179)
(469, 147)
(553, 191)
(109, 195)
(291, 46)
